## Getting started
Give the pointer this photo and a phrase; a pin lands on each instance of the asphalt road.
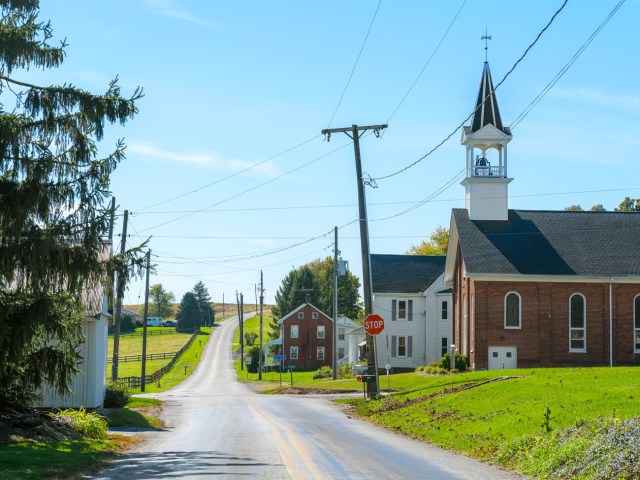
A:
(217, 427)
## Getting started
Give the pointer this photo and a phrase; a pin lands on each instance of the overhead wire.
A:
(448, 137)
(230, 176)
(424, 67)
(244, 192)
(344, 90)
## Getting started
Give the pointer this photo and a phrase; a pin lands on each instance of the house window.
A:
(320, 331)
(341, 334)
(444, 346)
(314, 315)
(402, 346)
(636, 318)
(512, 311)
(402, 309)
(320, 353)
(340, 353)
(300, 314)
(293, 353)
(577, 324)
(444, 315)
(294, 331)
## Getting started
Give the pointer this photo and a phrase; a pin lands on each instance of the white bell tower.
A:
(486, 183)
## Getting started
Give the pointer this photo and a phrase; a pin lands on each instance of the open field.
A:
(160, 342)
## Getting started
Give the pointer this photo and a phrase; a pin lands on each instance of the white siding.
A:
(426, 329)
(487, 199)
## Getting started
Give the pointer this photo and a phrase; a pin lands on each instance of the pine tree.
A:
(53, 188)
(188, 315)
(207, 314)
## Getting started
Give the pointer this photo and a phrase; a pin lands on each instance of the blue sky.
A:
(231, 88)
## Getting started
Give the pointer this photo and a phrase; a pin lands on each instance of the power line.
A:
(230, 176)
(446, 139)
(355, 64)
(427, 62)
(247, 190)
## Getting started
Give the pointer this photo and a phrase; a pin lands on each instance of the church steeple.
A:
(486, 109)
(486, 182)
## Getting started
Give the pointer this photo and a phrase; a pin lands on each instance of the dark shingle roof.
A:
(552, 243)
(405, 273)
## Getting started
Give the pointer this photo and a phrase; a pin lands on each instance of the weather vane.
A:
(486, 39)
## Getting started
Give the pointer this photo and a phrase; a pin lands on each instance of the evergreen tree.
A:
(188, 315)
(53, 190)
(207, 314)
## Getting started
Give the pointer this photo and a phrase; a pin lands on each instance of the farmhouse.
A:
(410, 294)
(307, 338)
(536, 288)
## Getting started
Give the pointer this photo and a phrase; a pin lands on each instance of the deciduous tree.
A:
(161, 301)
(437, 244)
(53, 191)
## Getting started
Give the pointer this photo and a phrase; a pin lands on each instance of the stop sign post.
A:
(373, 324)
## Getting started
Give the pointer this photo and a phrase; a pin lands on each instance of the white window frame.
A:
(584, 324)
(406, 307)
(636, 324)
(297, 330)
(320, 353)
(340, 353)
(320, 328)
(444, 309)
(314, 315)
(293, 353)
(341, 333)
(405, 346)
(444, 346)
(300, 314)
(511, 327)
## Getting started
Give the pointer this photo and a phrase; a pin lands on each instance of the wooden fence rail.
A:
(136, 382)
(138, 358)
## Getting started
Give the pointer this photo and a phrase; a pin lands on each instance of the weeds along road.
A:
(217, 427)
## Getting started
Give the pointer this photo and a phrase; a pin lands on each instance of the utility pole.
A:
(261, 303)
(354, 133)
(335, 303)
(143, 374)
(241, 321)
(240, 326)
(116, 319)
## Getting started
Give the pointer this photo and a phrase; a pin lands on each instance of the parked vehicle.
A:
(169, 323)
(154, 321)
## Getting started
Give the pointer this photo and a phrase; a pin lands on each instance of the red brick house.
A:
(307, 338)
(537, 288)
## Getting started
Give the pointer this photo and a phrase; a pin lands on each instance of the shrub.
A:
(461, 362)
(254, 354)
(117, 396)
(323, 372)
(126, 324)
(345, 370)
(89, 424)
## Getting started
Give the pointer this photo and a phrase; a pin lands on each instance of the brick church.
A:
(536, 288)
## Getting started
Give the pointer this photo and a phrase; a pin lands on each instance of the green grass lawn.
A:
(156, 343)
(490, 418)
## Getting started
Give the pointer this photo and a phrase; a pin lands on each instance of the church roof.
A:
(486, 107)
(405, 273)
(600, 244)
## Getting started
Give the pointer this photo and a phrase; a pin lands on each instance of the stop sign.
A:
(373, 324)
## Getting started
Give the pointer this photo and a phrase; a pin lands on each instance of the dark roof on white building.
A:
(486, 108)
(601, 244)
(405, 273)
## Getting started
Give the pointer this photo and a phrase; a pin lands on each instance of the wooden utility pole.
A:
(261, 303)
(354, 132)
(241, 321)
(335, 303)
(241, 326)
(116, 319)
(143, 374)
